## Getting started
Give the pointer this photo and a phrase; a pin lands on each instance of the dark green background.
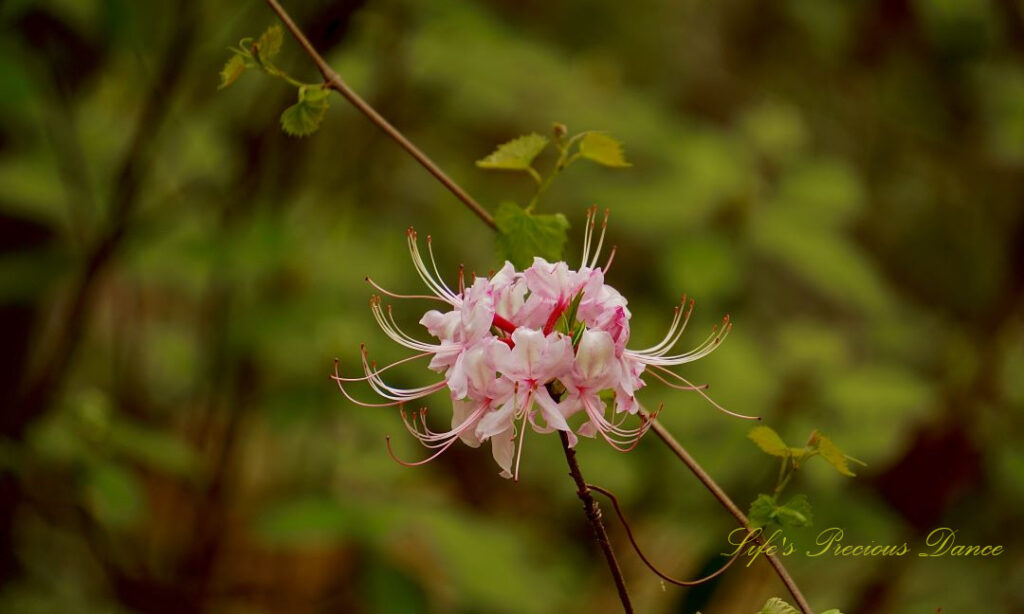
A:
(844, 178)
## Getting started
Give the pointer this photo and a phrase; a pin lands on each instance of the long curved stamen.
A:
(519, 448)
(362, 348)
(429, 437)
(433, 262)
(689, 386)
(396, 334)
(611, 258)
(398, 394)
(424, 273)
(412, 340)
(337, 378)
(426, 437)
(674, 330)
(623, 440)
(422, 462)
(676, 386)
(703, 349)
(396, 295)
(588, 232)
(600, 242)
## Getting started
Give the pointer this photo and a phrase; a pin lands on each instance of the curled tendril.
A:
(643, 557)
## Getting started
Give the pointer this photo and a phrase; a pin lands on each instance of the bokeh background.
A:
(844, 178)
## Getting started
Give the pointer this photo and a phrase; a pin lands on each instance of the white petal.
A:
(442, 325)
(552, 414)
(460, 411)
(497, 420)
(503, 448)
(595, 358)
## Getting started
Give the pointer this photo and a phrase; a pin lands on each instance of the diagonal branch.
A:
(728, 504)
(335, 82)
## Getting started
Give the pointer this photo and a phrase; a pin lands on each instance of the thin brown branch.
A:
(335, 82)
(643, 557)
(727, 503)
(593, 513)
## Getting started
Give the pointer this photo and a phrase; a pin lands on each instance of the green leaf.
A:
(798, 455)
(517, 154)
(303, 118)
(832, 611)
(831, 453)
(795, 513)
(269, 44)
(762, 511)
(769, 441)
(232, 71)
(603, 149)
(777, 606)
(523, 235)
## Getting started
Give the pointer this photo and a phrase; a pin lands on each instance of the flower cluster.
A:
(530, 348)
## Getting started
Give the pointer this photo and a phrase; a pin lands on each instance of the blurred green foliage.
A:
(176, 276)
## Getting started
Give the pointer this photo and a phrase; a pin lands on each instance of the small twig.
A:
(594, 516)
(727, 503)
(643, 557)
(335, 82)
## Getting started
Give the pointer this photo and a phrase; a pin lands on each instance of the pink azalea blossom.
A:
(532, 348)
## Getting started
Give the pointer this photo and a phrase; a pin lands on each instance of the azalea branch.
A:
(728, 504)
(334, 81)
(593, 513)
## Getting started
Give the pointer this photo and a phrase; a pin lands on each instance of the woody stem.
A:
(336, 83)
(593, 512)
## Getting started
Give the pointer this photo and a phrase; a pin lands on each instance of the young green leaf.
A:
(762, 511)
(232, 70)
(769, 441)
(517, 154)
(831, 453)
(603, 149)
(522, 235)
(795, 513)
(799, 455)
(303, 118)
(778, 606)
(269, 43)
